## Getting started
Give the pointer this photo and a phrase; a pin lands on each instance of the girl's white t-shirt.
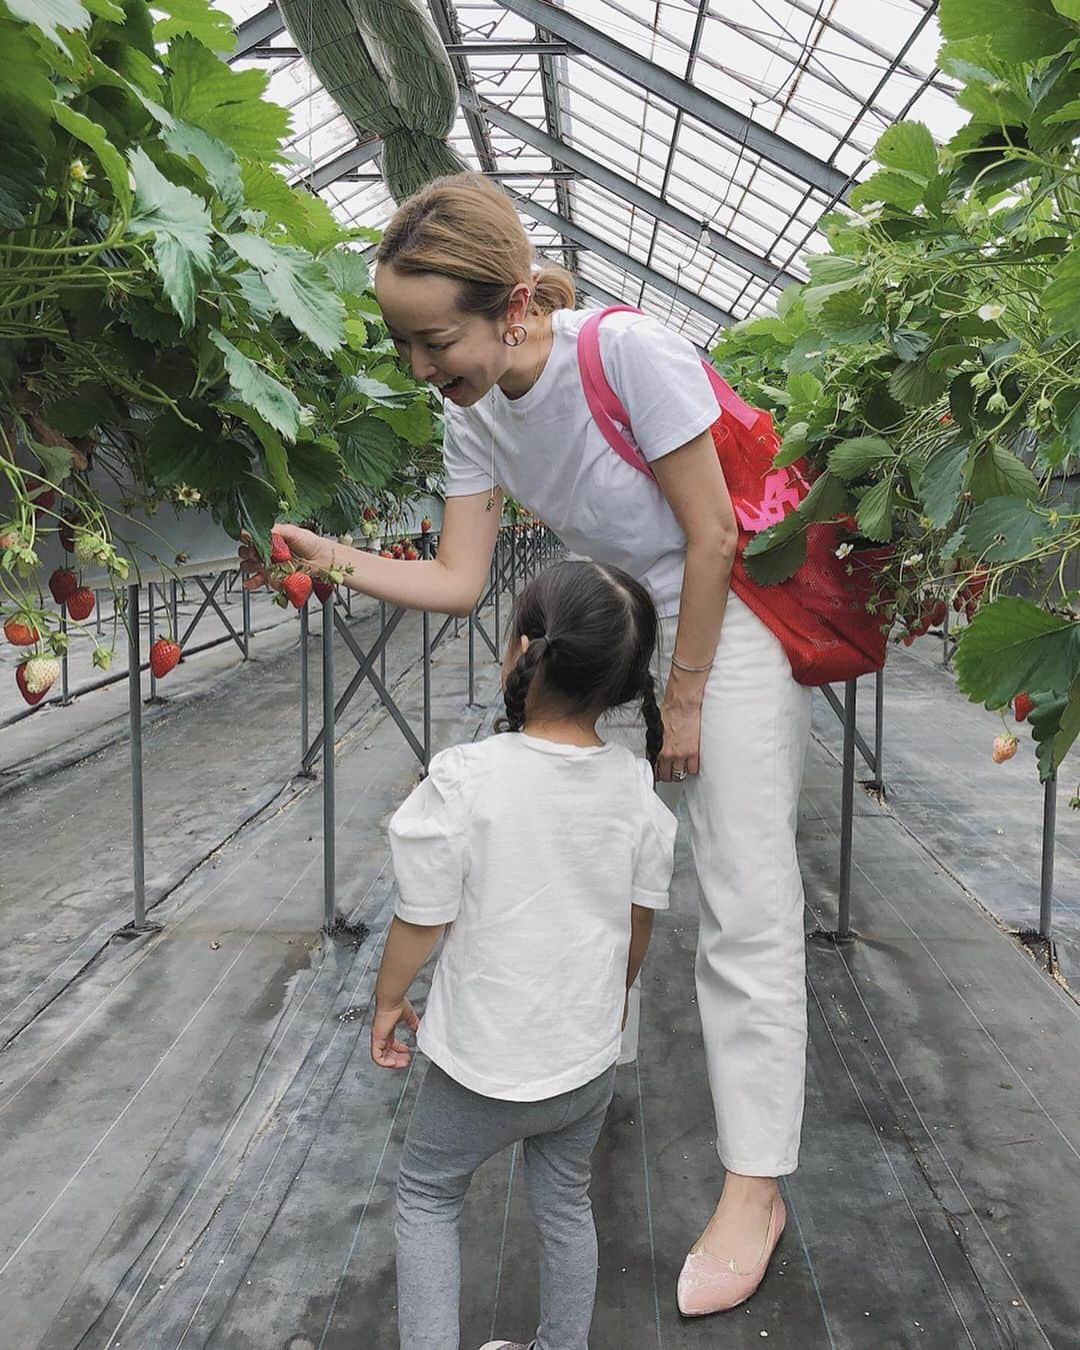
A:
(551, 456)
(533, 852)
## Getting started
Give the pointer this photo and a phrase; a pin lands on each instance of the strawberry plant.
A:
(929, 369)
(176, 319)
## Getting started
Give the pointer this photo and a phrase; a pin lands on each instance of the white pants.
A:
(751, 963)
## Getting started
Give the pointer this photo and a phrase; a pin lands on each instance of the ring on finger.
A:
(678, 775)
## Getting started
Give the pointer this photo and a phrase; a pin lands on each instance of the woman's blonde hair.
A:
(465, 228)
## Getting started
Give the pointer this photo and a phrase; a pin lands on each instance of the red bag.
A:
(819, 614)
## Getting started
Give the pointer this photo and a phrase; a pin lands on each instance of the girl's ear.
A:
(518, 304)
(524, 645)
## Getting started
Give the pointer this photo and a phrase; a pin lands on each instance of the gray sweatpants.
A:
(452, 1132)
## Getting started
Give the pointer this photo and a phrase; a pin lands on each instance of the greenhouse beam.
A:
(711, 111)
(618, 258)
(630, 192)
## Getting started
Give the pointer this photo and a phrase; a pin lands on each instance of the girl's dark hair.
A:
(592, 632)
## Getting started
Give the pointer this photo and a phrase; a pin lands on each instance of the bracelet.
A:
(690, 670)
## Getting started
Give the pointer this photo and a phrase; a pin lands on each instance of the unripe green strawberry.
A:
(40, 673)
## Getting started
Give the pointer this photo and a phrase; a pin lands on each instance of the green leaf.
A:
(316, 468)
(841, 318)
(996, 472)
(827, 499)
(1070, 112)
(940, 484)
(908, 343)
(199, 456)
(793, 447)
(1014, 30)
(1056, 733)
(777, 554)
(226, 103)
(1004, 529)
(413, 423)
(180, 225)
(51, 15)
(828, 268)
(92, 134)
(910, 147)
(1070, 8)
(891, 188)
(217, 161)
(948, 358)
(859, 455)
(371, 449)
(300, 287)
(275, 456)
(874, 513)
(210, 26)
(81, 412)
(22, 176)
(347, 271)
(257, 387)
(1012, 645)
(803, 389)
(1061, 299)
(915, 385)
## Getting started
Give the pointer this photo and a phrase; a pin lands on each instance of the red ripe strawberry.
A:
(298, 587)
(164, 656)
(63, 583)
(425, 525)
(410, 554)
(323, 589)
(279, 549)
(370, 513)
(385, 553)
(20, 634)
(80, 603)
(1004, 747)
(1022, 706)
(398, 551)
(937, 614)
(20, 680)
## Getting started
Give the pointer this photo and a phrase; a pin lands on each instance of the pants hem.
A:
(757, 1167)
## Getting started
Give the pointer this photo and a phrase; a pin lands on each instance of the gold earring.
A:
(520, 334)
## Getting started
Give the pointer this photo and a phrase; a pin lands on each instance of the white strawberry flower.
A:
(913, 561)
(991, 312)
(844, 550)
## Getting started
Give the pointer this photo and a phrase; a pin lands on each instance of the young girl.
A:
(546, 852)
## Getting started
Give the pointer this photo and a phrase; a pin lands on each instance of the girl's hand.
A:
(304, 545)
(682, 737)
(387, 1052)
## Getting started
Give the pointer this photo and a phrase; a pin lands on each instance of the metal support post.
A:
(472, 658)
(329, 800)
(843, 935)
(382, 651)
(245, 609)
(65, 689)
(304, 739)
(135, 722)
(174, 605)
(151, 635)
(1046, 887)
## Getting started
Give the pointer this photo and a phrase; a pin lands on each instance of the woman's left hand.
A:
(682, 737)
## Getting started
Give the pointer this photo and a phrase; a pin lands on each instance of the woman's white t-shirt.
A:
(551, 456)
(533, 852)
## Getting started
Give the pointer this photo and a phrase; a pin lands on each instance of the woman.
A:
(470, 313)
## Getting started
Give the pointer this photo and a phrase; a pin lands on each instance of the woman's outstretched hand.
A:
(304, 545)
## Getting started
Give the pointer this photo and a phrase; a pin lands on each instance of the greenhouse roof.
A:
(676, 154)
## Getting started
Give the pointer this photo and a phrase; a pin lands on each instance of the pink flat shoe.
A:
(708, 1284)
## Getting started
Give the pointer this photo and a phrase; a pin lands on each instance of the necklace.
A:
(536, 375)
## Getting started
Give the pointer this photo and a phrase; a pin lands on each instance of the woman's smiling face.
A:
(463, 355)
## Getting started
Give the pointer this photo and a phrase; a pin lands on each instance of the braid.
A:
(654, 723)
(518, 682)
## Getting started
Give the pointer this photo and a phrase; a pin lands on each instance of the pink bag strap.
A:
(608, 412)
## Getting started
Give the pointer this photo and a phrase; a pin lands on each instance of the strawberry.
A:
(385, 553)
(19, 633)
(66, 535)
(298, 587)
(44, 501)
(425, 525)
(370, 513)
(63, 583)
(40, 673)
(410, 554)
(164, 656)
(1004, 747)
(80, 603)
(20, 680)
(937, 614)
(279, 549)
(1022, 706)
(87, 546)
(323, 589)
